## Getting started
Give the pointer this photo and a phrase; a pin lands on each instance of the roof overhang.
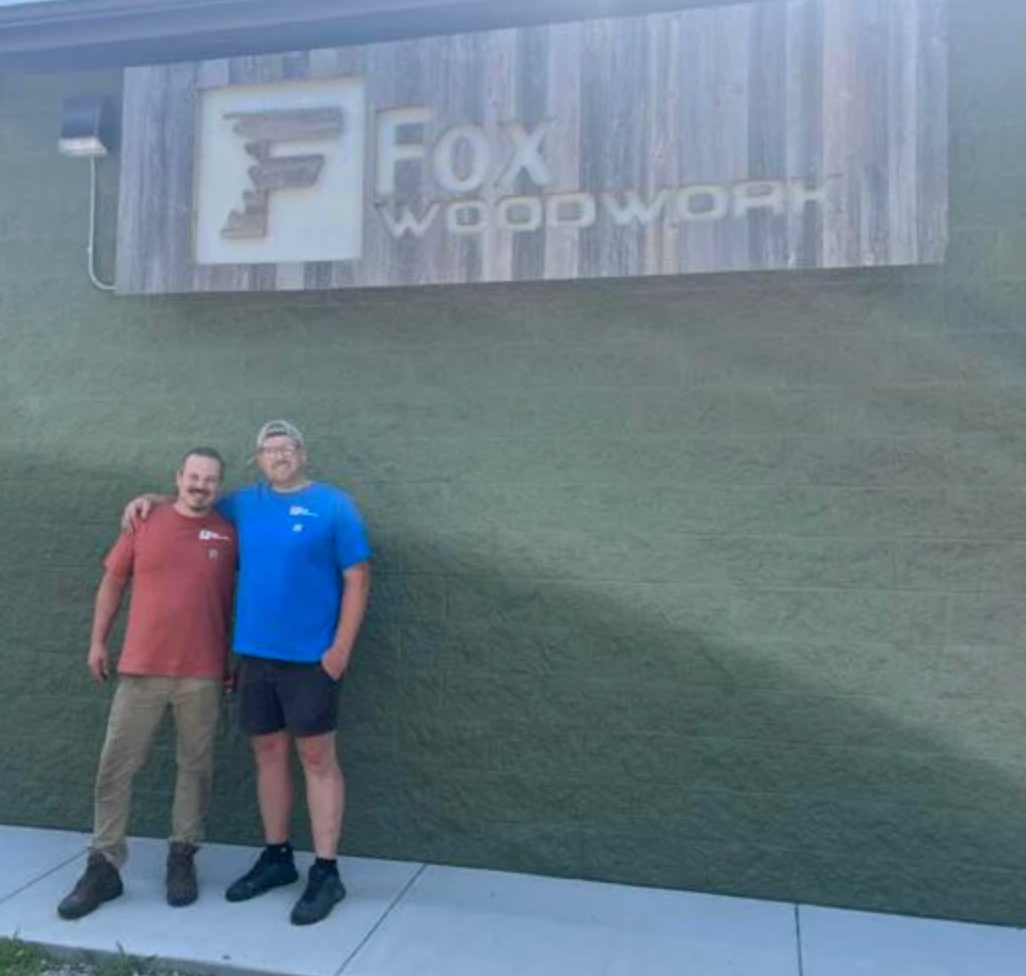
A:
(78, 34)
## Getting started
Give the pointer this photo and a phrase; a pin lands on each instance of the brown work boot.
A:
(182, 887)
(100, 882)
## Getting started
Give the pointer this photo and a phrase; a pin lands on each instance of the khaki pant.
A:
(139, 705)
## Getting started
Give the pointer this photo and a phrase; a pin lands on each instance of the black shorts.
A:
(276, 695)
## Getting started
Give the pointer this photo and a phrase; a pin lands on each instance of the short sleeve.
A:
(228, 507)
(121, 558)
(351, 543)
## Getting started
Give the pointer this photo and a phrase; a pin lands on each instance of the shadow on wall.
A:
(624, 732)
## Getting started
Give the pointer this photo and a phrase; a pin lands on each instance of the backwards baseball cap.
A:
(278, 428)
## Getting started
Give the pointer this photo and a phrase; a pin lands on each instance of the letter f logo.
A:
(262, 130)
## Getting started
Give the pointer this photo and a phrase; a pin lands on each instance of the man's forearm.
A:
(354, 606)
(108, 602)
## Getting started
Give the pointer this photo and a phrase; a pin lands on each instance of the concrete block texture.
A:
(712, 583)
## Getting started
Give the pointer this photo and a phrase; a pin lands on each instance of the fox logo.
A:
(261, 131)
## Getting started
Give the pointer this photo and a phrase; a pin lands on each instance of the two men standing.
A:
(303, 586)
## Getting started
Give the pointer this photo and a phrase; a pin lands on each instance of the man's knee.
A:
(271, 750)
(318, 756)
(196, 757)
(119, 762)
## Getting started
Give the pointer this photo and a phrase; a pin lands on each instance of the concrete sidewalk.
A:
(403, 919)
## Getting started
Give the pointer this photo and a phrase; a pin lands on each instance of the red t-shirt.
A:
(183, 573)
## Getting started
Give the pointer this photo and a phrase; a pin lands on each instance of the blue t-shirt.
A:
(293, 547)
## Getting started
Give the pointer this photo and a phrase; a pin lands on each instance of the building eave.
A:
(78, 34)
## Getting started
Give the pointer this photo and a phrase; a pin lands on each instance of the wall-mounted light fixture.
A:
(88, 132)
(87, 127)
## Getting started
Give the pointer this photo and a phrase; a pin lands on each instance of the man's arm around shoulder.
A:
(138, 510)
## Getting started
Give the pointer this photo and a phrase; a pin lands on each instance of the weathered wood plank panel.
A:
(804, 134)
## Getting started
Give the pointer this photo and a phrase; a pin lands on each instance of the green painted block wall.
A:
(712, 583)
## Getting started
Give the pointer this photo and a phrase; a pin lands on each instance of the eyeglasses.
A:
(282, 452)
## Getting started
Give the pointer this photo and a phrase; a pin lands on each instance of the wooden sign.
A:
(769, 136)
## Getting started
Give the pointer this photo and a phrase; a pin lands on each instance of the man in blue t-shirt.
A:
(304, 580)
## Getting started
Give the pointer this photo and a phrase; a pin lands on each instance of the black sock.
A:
(326, 865)
(279, 852)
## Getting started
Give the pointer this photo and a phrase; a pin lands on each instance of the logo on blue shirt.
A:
(299, 510)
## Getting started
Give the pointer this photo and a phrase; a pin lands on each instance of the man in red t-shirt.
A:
(182, 566)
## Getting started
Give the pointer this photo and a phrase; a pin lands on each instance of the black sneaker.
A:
(101, 882)
(324, 890)
(268, 872)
